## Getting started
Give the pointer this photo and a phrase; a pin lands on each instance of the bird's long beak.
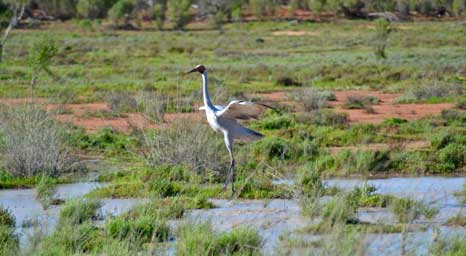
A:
(191, 71)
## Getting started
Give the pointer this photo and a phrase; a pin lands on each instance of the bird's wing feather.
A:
(238, 109)
(237, 131)
(218, 107)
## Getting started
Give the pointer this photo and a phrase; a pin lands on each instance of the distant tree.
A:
(16, 15)
(40, 57)
(121, 10)
(178, 11)
(380, 41)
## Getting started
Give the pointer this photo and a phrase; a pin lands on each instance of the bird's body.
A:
(224, 120)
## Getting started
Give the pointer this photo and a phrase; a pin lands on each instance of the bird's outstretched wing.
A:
(239, 109)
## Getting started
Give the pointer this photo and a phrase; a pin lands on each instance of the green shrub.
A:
(78, 211)
(9, 241)
(6, 218)
(275, 148)
(275, 122)
(452, 156)
(106, 139)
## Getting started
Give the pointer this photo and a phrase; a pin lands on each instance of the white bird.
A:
(224, 120)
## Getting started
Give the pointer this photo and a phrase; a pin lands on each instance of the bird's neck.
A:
(207, 102)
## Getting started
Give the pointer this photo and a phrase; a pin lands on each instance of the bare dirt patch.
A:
(82, 115)
(387, 108)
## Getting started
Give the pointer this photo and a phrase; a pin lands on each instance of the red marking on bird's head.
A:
(198, 68)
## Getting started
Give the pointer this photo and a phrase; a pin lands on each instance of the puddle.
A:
(26, 209)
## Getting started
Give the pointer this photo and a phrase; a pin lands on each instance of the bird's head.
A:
(198, 68)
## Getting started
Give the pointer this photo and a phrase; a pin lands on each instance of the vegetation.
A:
(94, 74)
(200, 239)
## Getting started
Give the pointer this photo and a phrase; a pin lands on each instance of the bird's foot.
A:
(233, 192)
(225, 186)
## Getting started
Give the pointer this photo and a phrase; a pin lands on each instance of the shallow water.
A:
(272, 218)
(29, 213)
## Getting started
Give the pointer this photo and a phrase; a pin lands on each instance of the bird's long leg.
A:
(231, 175)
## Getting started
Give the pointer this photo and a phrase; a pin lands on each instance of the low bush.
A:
(275, 148)
(313, 99)
(186, 144)
(106, 139)
(121, 102)
(452, 156)
(329, 117)
(360, 102)
(287, 81)
(275, 122)
(6, 218)
(35, 143)
(430, 91)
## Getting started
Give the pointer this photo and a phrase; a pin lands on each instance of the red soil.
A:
(81, 114)
(387, 108)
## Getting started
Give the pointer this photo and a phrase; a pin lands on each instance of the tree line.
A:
(181, 12)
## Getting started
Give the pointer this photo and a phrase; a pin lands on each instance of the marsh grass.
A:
(78, 211)
(197, 238)
(407, 210)
(45, 191)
